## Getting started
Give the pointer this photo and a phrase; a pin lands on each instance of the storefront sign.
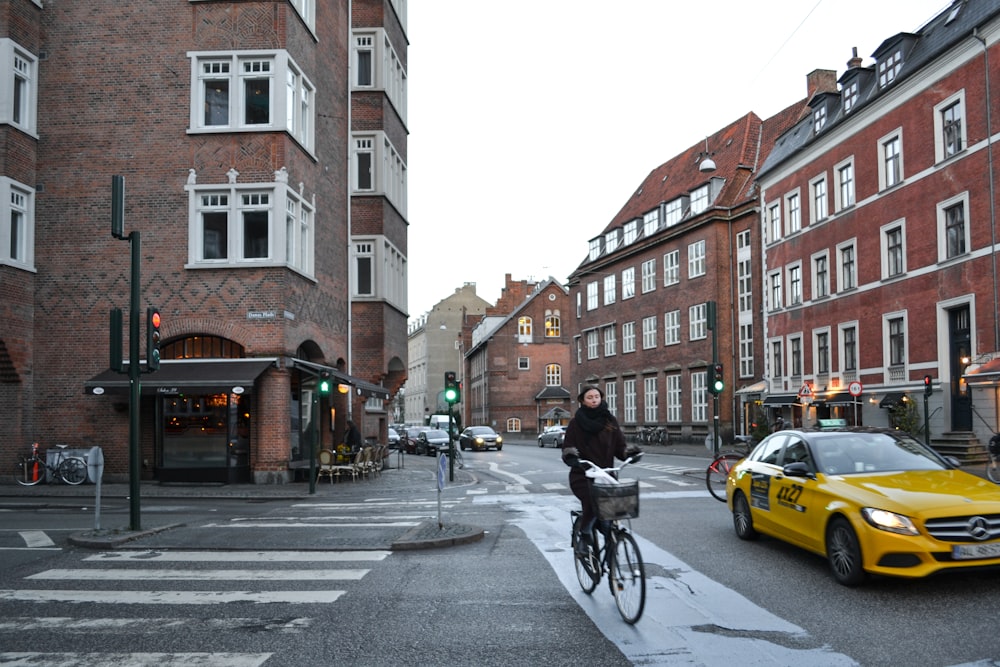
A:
(261, 315)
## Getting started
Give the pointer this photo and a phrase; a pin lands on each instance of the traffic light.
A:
(718, 384)
(452, 390)
(152, 339)
(324, 382)
(928, 389)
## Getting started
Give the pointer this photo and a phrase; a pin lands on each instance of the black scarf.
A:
(593, 420)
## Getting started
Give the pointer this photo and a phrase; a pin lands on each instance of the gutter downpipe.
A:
(993, 215)
(350, 301)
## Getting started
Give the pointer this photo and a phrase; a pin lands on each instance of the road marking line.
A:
(313, 524)
(75, 574)
(171, 597)
(149, 625)
(36, 538)
(136, 659)
(236, 556)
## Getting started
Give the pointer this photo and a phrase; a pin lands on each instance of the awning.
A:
(840, 398)
(552, 393)
(205, 376)
(362, 387)
(891, 399)
(756, 388)
(988, 373)
(782, 399)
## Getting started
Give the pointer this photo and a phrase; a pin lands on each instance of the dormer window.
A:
(819, 119)
(699, 200)
(631, 231)
(595, 249)
(850, 96)
(889, 68)
(675, 212)
(611, 240)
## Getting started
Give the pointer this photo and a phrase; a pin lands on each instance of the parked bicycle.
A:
(612, 548)
(652, 435)
(718, 469)
(993, 465)
(30, 470)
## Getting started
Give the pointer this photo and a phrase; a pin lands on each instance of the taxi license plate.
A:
(968, 551)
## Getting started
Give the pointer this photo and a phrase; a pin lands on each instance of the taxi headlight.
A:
(889, 521)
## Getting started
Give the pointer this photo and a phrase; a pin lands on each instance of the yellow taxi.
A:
(871, 501)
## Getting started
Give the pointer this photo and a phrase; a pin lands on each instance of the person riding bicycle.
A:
(593, 435)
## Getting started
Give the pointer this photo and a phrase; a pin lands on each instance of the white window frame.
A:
(842, 350)
(594, 249)
(672, 327)
(819, 203)
(697, 259)
(845, 194)
(699, 199)
(887, 345)
(525, 329)
(628, 337)
(795, 354)
(307, 11)
(674, 398)
(941, 138)
(818, 352)
(17, 205)
(611, 396)
(674, 212)
(611, 240)
(793, 213)
(648, 275)
(890, 159)
(628, 283)
(553, 375)
(849, 96)
(650, 400)
(774, 226)
(291, 96)
(649, 332)
(524, 363)
(889, 67)
(885, 254)
(774, 290)
(746, 349)
(18, 74)
(630, 232)
(386, 71)
(651, 222)
(961, 199)
(610, 289)
(610, 341)
(628, 391)
(698, 321)
(794, 272)
(699, 397)
(671, 268)
(592, 295)
(592, 344)
(847, 269)
(820, 280)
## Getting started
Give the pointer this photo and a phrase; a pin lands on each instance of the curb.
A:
(431, 535)
(113, 538)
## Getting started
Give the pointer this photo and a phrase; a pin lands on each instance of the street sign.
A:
(855, 388)
(805, 391)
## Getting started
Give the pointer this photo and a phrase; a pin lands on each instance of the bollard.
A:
(95, 470)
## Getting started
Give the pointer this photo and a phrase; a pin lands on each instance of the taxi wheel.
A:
(844, 552)
(742, 519)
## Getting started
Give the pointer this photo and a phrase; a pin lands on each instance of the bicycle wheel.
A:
(993, 470)
(628, 576)
(28, 472)
(718, 471)
(584, 564)
(72, 471)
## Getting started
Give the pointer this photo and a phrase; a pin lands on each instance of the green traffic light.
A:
(718, 386)
(450, 395)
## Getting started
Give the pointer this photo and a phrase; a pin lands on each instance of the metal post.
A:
(317, 433)
(134, 372)
(927, 421)
(451, 444)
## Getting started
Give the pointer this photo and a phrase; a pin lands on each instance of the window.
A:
(744, 285)
(243, 92)
(307, 10)
(893, 254)
(17, 224)
(819, 203)
(699, 396)
(378, 67)
(777, 362)
(364, 61)
(523, 363)
(610, 290)
(364, 259)
(774, 288)
(610, 341)
(553, 326)
(650, 400)
(19, 77)
(628, 337)
(649, 332)
(672, 327)
(821, 275)
(674, 212)
(849, 96)
(513, 424)
(673, 398)
(628, 283)
(672, 267)
(592, 296)
(594, 250)
(699, 200)
(795, 355)
(379, 169)
(379, 271)
(949, 127)
(774, 222)
(896, 332)
(610, 241)
(793, 213)
(746, 350)
(628, 388)
(579, 305)
(696, 259)
(821, 352)
(525, 329)
(819, 119)
(849, 348)
(611, 397)
(234, 224)
(651, 222)
(953, 231)
(648, 275)
(889, 68)
(794, 285)
(631, 232)
(698, 321)
(553, 375)
(848, 267)
(891, 155)
(592, 344)
(845, 185)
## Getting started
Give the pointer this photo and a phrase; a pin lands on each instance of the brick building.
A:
(263, 150)
(516, 359)
(880, 262)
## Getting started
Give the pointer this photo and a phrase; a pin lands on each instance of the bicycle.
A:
(612, 548)
(30, 470)
(718, 469)
(993, 465)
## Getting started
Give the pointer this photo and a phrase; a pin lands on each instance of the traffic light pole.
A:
(711, 315)
(134, 372)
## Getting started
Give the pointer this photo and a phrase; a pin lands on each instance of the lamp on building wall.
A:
(707, 164)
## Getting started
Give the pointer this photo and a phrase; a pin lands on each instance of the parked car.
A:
(870, 501)
(410, 438)
(431, 441)
(552, 435)
(480, 437)
(393, 437)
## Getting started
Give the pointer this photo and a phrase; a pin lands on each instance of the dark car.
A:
(480, 437)
(432, 441)
(552, 435)
(409, 438)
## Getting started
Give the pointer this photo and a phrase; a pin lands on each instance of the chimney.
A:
(854, 62)
(821, 81)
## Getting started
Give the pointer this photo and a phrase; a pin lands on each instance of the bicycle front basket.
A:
(616, 501)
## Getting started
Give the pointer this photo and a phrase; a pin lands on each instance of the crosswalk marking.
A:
(136, 659)
(72, 574)
(236, 556)
(149, 624)
(36, 538)
(170, 597)
(318, 523)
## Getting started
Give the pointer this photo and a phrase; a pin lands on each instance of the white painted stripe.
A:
(149, 624)
(237, 556)
(554, 486)
(315, 524)
(119, 574)
(476, 492)
(347, 506)
(136, 659)
(171, 597)
(495, 468)
(36, 538)
(30, 548)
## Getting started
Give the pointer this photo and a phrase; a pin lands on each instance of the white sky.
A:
(533, 121)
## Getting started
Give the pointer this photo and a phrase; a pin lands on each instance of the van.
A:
(438, 421)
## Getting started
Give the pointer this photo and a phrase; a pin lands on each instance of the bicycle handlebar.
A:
(592, 468)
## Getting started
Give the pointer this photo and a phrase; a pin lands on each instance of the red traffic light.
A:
(154, 319)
